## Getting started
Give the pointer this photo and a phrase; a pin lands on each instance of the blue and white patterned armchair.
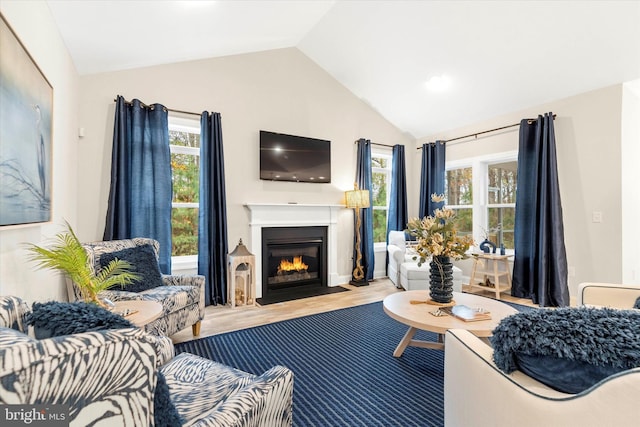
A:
(109, 378)
(107, 375)
(181, 296)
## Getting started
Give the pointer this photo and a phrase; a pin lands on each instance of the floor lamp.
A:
(357, 199)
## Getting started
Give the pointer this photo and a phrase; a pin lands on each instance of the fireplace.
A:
(291, 215)
(294, 262)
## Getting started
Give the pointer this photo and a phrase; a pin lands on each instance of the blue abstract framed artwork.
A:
(26, 104)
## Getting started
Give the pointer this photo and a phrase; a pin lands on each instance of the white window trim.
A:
(184, 205)
(387, 153)
(480, 166)
(184, 124)
(184, 262)
(179, 149)
(190, 125)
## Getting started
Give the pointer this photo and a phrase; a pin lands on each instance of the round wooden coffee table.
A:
(141, 312)
(417, 316)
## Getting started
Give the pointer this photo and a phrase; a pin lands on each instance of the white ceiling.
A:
(501, 56)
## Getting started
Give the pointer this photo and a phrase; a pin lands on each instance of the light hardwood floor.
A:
(220, 319)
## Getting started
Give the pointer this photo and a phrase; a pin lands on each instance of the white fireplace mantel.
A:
(294, 215)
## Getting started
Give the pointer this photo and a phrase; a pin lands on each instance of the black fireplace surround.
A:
(294, 263)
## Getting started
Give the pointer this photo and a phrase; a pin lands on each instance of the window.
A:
(184, 144)
(489, 211)
(459, 187)
(501, 206)
(380, 189)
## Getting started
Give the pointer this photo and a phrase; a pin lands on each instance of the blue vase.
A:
(487, 245)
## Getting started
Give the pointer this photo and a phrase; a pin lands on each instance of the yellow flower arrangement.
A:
(438, 236)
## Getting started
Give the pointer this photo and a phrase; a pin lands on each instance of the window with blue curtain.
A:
(142, 202)
(139, 202)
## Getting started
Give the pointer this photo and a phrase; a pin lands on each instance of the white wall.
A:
(588, 138)
(630, 179)
(284, 91)
(278, 90)
(34, 26)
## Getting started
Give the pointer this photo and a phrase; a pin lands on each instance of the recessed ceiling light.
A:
(438, 83)
(191, 4)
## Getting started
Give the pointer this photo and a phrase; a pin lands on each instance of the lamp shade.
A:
(357, 198)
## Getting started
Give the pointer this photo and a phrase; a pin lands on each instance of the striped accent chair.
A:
(181, 296)
(107, 376)
(110, 377)
(212, 394)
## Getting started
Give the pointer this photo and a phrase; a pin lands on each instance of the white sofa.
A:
(477, 393)
(403, 270)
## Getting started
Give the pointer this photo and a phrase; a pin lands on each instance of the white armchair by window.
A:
(397, 256)
(403, 270)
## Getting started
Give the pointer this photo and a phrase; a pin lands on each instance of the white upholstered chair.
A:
(404, 271)
(608, 295)
(477, 393)
(396, 248)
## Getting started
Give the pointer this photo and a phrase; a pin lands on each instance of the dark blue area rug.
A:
(345, 372)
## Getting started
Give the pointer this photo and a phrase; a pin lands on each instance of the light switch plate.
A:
(596, 216)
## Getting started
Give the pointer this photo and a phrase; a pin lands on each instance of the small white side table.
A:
(491, 266)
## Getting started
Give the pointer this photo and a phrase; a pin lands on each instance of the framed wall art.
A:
(26, 112)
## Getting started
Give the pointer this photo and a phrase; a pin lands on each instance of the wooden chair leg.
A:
(195, 328)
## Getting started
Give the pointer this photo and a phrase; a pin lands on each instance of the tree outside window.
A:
(380, 191)
(459, 197)
(184, 144)
(488, 212)
(501, 206)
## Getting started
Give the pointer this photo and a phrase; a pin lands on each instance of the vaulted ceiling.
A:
(495, 56)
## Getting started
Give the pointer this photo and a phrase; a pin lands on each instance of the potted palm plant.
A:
(67, 255)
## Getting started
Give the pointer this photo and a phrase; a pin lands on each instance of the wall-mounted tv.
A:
(294, 158)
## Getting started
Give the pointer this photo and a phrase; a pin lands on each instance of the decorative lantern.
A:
(241, 264)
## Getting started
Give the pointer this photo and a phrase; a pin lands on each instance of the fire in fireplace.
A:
(294, 261)
(292, 270)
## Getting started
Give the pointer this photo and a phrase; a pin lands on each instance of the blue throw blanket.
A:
(568, 349)
(598, 336)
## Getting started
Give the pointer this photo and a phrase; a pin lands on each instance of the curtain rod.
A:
(167, 109)
(529, 121)
(375, 143)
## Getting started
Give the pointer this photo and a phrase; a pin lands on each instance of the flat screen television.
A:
(294, 158)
